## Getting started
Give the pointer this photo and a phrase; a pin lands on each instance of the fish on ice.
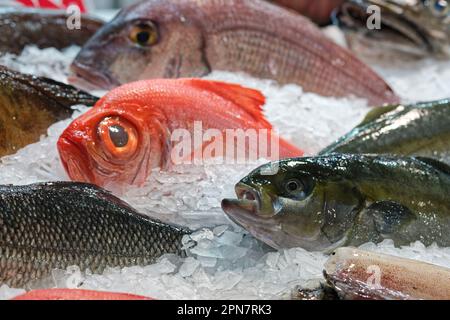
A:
(188, 38)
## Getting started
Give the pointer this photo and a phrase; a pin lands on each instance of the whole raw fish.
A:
(76, 294)
(29, 105)
(55, 225)
(43, 28)
(321, 203)
(189, 38)
(359, 274)
(421, 129)
(131, 130)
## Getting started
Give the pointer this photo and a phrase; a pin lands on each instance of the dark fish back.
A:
(42, 28)
(30, 104)
(415, 130)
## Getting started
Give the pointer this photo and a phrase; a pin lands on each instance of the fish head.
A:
(415, 27)
(151, 39)
(303, 204)
(116, 143)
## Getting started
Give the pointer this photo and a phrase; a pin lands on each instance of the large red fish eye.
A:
(118, 136)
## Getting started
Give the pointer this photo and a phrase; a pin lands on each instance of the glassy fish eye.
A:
(144, 34)
(440, 7)
(118, 137)
(298, 189)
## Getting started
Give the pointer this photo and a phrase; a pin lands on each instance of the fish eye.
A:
(440, 7)
(297, 188)
(118, 136)
(144, 34)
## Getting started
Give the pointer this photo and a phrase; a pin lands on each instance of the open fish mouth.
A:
(405, 26)
(246, 212)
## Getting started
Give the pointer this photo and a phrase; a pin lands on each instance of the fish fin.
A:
(250, 100)
(376, 113)
(436, 164)
(389, 216)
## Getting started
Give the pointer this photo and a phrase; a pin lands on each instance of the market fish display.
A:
(29, 105)
(359, 274)
(421, 129)
(43, 28)
(76, 294)
(179, 38)
(321, 203)
(136, 127)
(417, 27)
(55, 225)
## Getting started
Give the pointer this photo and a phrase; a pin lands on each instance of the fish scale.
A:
(251, 36)
(57, 225)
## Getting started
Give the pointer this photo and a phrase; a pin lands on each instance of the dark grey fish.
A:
(59, 224)
(421, 129)
(43, 28)
(29, 105)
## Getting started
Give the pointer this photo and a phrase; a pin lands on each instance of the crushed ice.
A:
(227, 262)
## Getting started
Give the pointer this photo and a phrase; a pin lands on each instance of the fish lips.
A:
(84, 77)
(244, 213)
(74, 161)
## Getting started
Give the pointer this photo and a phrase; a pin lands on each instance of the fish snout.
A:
(84, 76)
(74, 161)
(255, 200)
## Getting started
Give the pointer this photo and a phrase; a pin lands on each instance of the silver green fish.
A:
(321, 203)
(418, 130)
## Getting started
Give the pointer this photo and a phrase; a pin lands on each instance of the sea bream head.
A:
(151, 39)
(302, 202)
(415, 27)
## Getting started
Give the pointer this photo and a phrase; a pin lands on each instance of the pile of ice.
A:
(227, 262)
(36, 61)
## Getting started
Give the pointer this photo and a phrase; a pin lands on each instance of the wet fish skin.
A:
(29, 105)
(413, 130)
(191, 38)
(59, 224)
(358, 274)
(344, 200)
(149, 113)
(43, 28)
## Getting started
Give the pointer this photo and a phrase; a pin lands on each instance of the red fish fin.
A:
(288, 150)
(250, 100)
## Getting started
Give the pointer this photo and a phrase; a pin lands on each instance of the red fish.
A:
(76, 294)
(132, 130)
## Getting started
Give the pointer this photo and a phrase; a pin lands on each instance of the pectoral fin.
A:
(389, 217)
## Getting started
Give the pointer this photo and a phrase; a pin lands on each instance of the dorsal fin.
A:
(376, 113)
(250, 100)
(438, 165)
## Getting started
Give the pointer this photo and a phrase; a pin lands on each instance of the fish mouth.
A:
(246, 212)
(73, 161)
(397, 30)
(85, 78)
